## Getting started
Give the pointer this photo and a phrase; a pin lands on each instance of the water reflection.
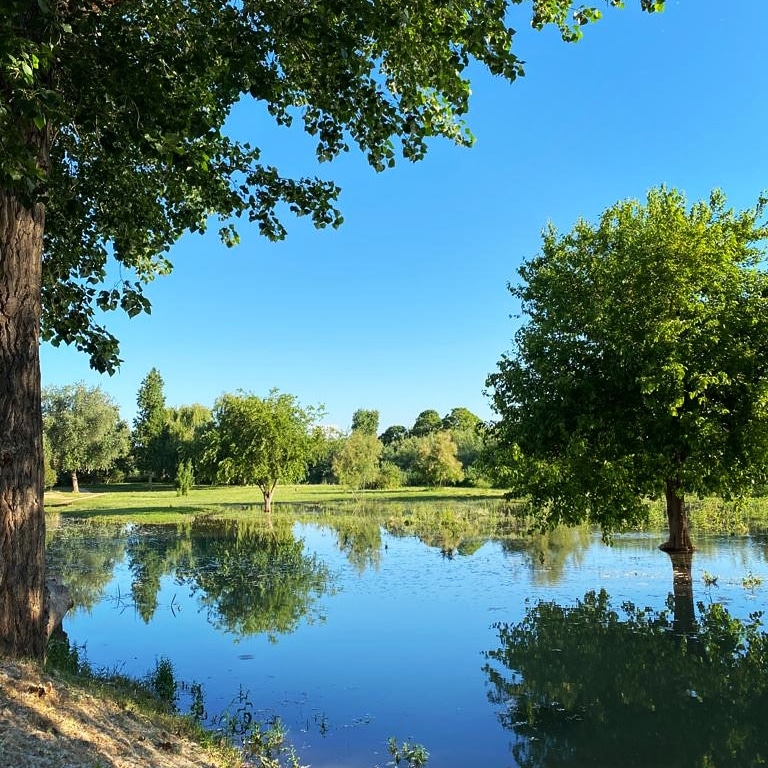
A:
(550, 553)
(154, 551)
(359, 539)
(84, 557)
(590, 684)
(253, 577)
(249, 577)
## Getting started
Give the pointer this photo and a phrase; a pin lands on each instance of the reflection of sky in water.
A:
(399, 651)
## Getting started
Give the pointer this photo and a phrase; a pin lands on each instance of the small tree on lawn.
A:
(262, 441)
(185, 478)
(84, 430)
(641, 370)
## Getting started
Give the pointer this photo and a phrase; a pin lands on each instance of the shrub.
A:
(185, 478)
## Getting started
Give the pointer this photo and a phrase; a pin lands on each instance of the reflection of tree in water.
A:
(253, 577)
(549, 553)
(154, 550)
(453, 529)
(359, 539)
(589, 685)
(83, 555)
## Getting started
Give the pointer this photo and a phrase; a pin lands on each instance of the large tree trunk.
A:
(677, 516)
(75, 482)
(22, 517)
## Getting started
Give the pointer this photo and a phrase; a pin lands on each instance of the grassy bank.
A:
(55, 719)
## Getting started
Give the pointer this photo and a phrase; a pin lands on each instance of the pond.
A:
(489, 651)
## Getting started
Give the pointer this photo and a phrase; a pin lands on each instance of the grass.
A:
(161, 504)
(132, 502)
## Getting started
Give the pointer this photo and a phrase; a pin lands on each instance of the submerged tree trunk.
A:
(22, 517)
(268, 493)
(75, 482)
(677, 516)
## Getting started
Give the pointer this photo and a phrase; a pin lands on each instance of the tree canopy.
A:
(261, 441)
(367, 421)
(112, 114)
(461, 419)
(356, 463)
(640, 369)
(426, 422)
(84, 429)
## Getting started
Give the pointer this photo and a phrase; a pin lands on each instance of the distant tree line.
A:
(249, 440)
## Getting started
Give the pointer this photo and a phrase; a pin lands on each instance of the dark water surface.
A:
(351, 638)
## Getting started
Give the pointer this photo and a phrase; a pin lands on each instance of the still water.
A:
(493, 653)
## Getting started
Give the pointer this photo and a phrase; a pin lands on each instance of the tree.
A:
(262, 441)
(365, 421)
(151, 443)
(185, 478)
(356, 463)
(640, 371)
(184, 425)
(393, 434)
(426, 422)
(461, 419)
(112, 139)
(466, 430)
(84, 429)
(327, 441)
(51, 476)
(436, 462)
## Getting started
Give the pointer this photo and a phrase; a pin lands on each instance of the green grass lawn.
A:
(137, 501)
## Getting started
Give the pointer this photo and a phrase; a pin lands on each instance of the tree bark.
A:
(22, 517)
(75, 482)
(677, 517)
(268, 493)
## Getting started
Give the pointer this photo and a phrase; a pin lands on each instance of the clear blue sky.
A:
(405, 307)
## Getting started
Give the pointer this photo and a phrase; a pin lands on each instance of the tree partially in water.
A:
(588, 684)
(641, 370)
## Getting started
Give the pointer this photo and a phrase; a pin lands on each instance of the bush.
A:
(185, 478)
(389, 476)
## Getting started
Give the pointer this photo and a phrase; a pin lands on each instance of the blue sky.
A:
(406, 307)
